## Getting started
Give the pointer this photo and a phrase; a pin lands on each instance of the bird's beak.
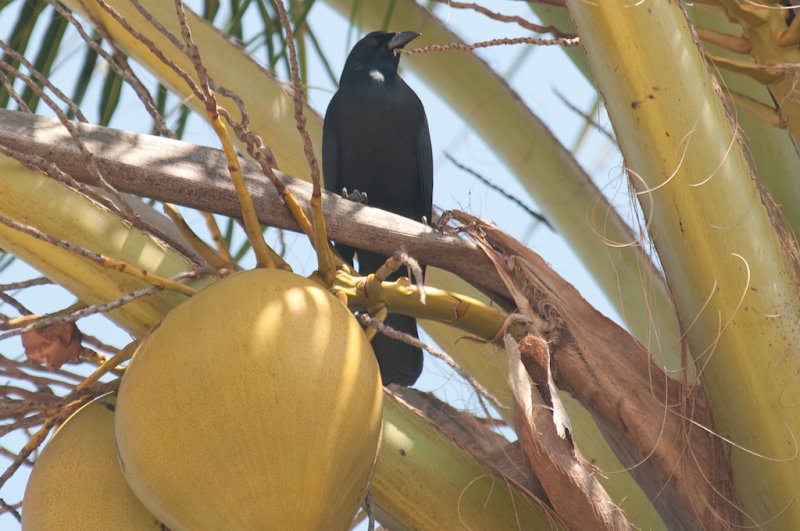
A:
(401, 39)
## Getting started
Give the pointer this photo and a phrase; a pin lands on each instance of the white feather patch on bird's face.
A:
(376, 75)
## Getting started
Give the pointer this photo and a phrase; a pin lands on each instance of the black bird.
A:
(376, 140)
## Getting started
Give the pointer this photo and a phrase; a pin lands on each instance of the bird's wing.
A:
(425, 166)
(330, 151)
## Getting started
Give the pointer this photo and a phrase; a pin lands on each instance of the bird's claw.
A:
(441, 223)
(437, 226)
(356, 196)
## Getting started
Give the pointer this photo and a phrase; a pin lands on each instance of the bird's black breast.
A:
(375, 129)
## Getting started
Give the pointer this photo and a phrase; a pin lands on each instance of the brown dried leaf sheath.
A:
(657, 426)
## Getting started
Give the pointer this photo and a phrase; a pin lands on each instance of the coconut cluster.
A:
(256, 404)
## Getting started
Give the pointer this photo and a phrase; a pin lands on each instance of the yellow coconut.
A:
(254, 405)
(76, 483)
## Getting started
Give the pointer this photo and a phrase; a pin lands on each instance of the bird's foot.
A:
(355, 195)
(435, 225)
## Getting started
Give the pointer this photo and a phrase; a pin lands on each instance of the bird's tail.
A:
(399, 362)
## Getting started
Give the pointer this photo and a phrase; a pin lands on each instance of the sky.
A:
(537, 74)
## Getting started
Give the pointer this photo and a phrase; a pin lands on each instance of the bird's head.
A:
(375, 55)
